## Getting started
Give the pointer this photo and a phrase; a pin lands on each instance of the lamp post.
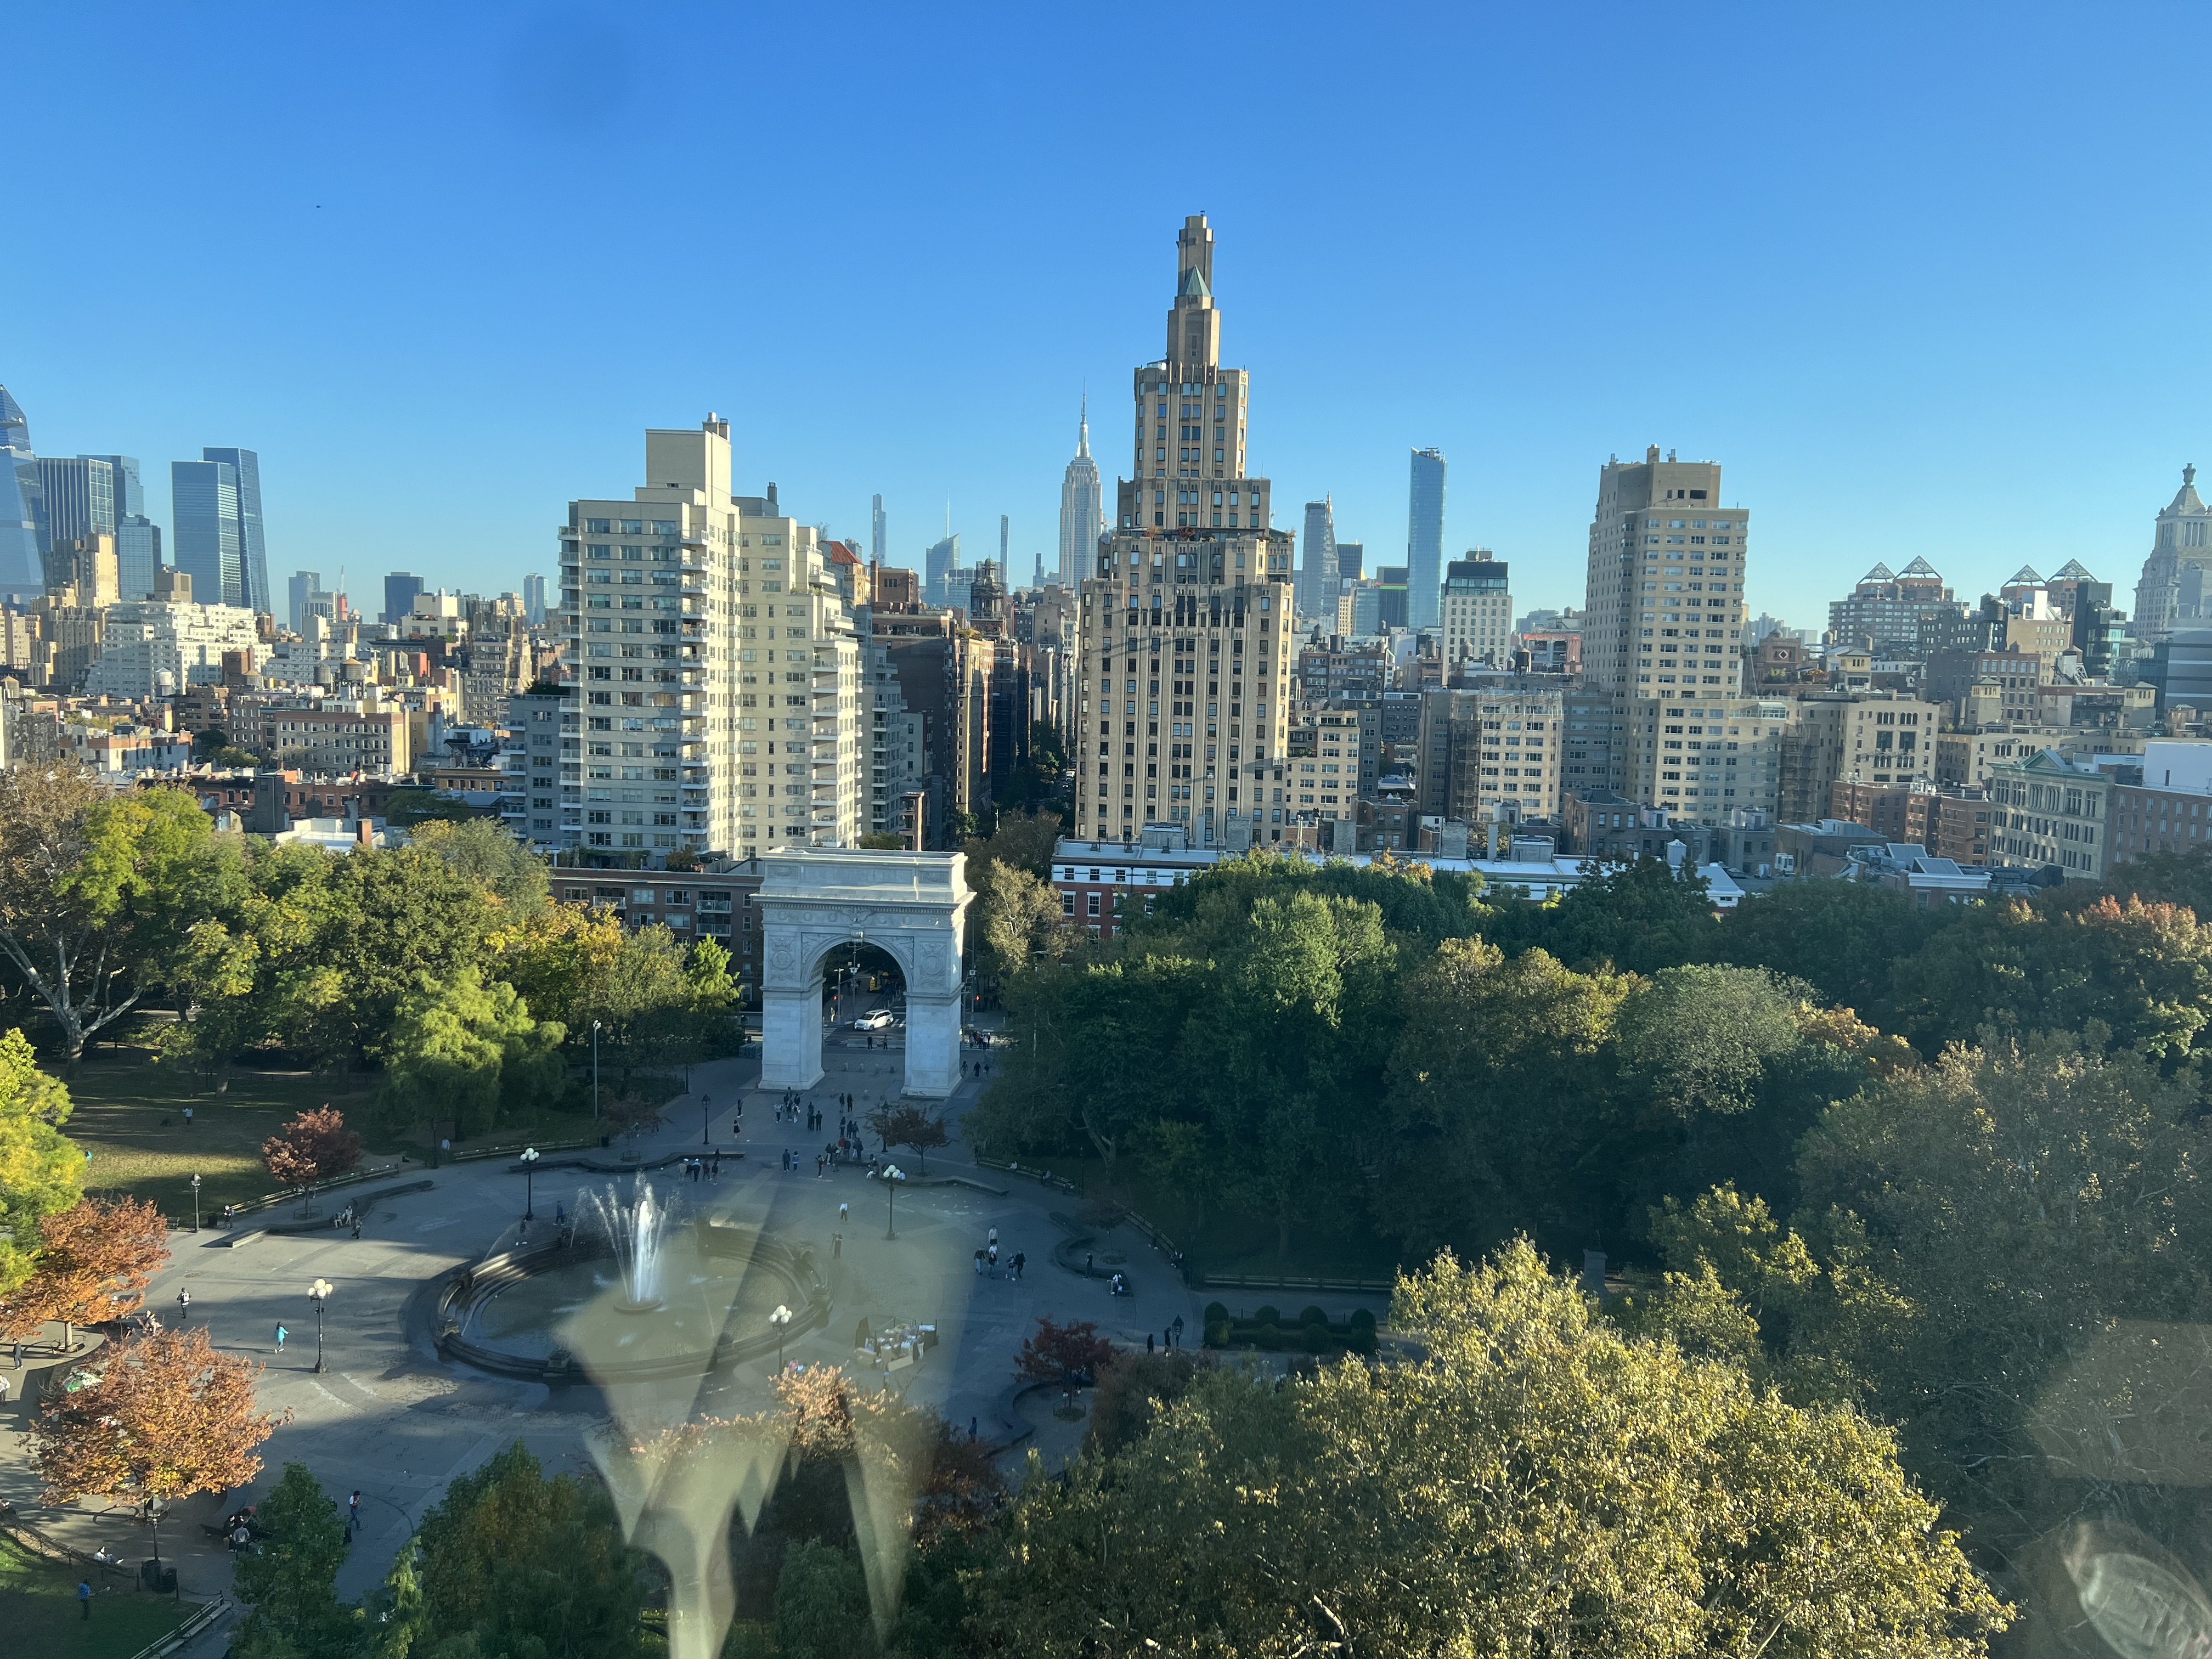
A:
(595, 1070)
(530, 1184)
(891, 1176)
(319, 1292)
(782, 1319)
(705, 1117)
(195, 1204)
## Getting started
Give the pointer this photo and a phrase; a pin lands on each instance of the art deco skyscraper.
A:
(1082, 508)
(1425, 538)
(1186, 626)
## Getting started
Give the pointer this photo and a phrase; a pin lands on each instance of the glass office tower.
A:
(203, 508)
(253, 556)
(23, 563)
(1425, 538)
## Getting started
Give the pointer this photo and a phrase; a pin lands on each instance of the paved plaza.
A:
(390, 1417)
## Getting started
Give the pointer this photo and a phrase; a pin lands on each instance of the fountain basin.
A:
(559, 1312)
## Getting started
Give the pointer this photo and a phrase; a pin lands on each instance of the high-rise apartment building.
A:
(1082, 508)
(1425, 538)
(1665, 584)
(1477, 610)
(22, 563)
(534, 600)
(253, 552)
(207, 535)
(878, 532)
(1886, 607)
(1317, 584)
(1188, 626)
(1500, 743)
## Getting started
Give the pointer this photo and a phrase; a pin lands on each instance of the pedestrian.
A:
(843, 1211)
(356, 1226)
(280, 1334)
(3, 1390)
(818, 1167)
(1087, 1259)
(971, 1428)
(837, 1246)
(995, 1262)
(84, 1596)
(184, 1307)
(188, 1117)
(353, 1511)
(559, 1215)
(1021, 1260)
(979, 1264)
(994, 1238)
(1148, 1341)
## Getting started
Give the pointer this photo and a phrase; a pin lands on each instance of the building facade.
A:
(1664, 588)
(2051, 812)
(1476, 611)
(1887, 607)
(2171, 588)
(206, 535)
(253, 550)
(152, 647)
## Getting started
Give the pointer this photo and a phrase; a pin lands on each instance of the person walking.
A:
(184, 1308)
(994, 1260)
(1021, 1260)
(979, 1264)
(844, 1210)
(4, 1391)
(84, 1596)
(280, 1334)
(993, 1237)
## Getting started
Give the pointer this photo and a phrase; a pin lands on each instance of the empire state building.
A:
(1081, 512)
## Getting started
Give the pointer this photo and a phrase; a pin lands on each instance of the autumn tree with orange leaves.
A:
(161, 1417)
(97, 1260)
(314, 1146)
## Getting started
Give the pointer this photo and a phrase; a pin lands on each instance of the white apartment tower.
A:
(679, 731)
(649, 619)
(1185, 680)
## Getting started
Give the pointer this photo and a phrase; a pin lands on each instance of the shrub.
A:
(1268, 1335)
(1268, 1315)
(1316, 1338)
(1215, 1310)
(1217, 1333)
(1311, 1314)
(1362, 1340)
(1363, 1321)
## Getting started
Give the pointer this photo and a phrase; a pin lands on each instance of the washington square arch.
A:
(912, 906)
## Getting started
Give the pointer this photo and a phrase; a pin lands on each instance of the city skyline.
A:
(1817, 354)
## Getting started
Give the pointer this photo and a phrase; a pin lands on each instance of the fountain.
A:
(636, 1228)
(559, 1310)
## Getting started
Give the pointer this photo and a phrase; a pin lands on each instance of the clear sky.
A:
(1927, 280)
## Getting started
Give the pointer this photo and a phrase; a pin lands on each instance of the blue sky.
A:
(1927, 281)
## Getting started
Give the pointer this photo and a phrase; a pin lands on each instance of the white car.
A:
(875, 1020)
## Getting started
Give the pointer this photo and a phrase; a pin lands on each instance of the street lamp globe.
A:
(782, 1319)
(530, 1184)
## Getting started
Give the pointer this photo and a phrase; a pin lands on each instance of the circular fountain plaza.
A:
(635, 1287)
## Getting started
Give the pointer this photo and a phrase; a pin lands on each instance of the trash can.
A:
(158, 1576)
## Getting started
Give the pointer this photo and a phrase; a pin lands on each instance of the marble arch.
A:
(913, 905)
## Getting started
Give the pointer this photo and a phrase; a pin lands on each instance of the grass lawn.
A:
(129, 1115)
(39, 1612)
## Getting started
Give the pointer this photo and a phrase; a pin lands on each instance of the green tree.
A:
(1641, 919)
(41, 1172)
(1496, 1084)
(1845, 937)
(2140, 972)
(1496, 1496)
(468, 1054)
(290, 1583)
(519, 1564)
(99, 892)
(482, 851)
(1016, 917)
(822, 1604)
